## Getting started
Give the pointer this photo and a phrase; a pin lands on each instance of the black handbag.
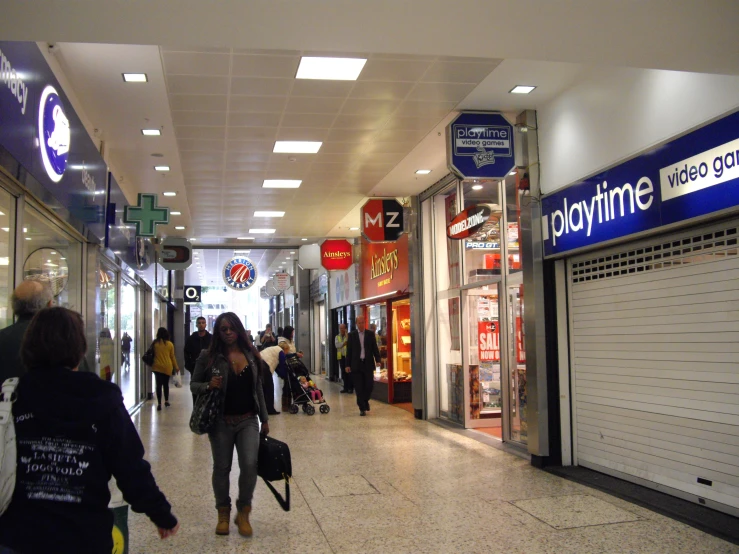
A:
(274, 464)
(148, 357)
(207, 410)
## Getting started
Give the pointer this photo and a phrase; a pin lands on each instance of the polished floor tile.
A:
(390, 483)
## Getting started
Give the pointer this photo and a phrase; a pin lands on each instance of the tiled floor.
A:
(391, 483)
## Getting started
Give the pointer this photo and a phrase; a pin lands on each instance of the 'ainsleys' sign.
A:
(468, 222)
(336, 254)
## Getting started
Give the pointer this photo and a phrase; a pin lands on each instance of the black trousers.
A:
(268, 387)
(364, 382)
(347, 378)
(162, 382)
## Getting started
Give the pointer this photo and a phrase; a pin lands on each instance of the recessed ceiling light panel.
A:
(175, 213)
(151, 132)
(135, 77)
(161, 167)
(244, 238)
(281, 184)
(423, 171)
(296, 147)
(169, 193)
(180, 228)
(262, 231)
(334, 69)
(476, 187)
(268, 214)
(521, 89)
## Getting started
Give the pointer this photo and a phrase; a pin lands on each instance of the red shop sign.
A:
(489, 341)
(468, 222)
(336, 255)
(384, 267)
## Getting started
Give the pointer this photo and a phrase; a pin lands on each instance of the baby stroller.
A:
(298, 395)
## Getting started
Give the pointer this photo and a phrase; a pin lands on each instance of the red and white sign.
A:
(281, 281)
(382, 220)
(336, 255)
(467, 222)
(488, 341)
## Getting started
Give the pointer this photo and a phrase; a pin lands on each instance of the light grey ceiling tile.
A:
(441, 92)
(412, 123)
(195, 49)
(213, 119)
(190, 84)
(252, 133)
(314, 105)
(201, 166)
(284, 67)
(318, 120)
(247, 157)
(458, 72)
(256, 86)
(254, 119)
(205, 145)
(400, 136)
(390, 147)
(349, 135)
(339, 147)
(209, 157)
(200, 132)
(320, 88)
(408, 57)
(377, 158)
(249, 147)
(363, 106)
(198, 102)
(248, 166)
(302, 133)
(360, 122)
(425, 109)
(377, 90)
(393, 70)
(262, 104)
(191, 63)
(267, 52)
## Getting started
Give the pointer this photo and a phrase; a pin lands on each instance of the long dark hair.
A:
(288, 332)
(162, 334)
(218, 347)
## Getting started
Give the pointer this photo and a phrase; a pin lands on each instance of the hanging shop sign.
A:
(382, 220)
(239, 273)
(43, 134)
(193, 294)
(146, 215)
(694, 175)
(343, 287)
(488, 341)
(270, 288)
(176, 253)
(467, 222)
(319, 286)
(309, 256)
(336, 255)
(263, 293)
(281, 281)
(384, 267)
(480, 145)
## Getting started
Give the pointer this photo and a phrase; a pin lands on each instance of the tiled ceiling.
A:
(230, 106)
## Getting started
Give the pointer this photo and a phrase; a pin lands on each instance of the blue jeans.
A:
(245, 437)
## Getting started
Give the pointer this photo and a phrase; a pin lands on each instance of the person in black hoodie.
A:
(72, 433)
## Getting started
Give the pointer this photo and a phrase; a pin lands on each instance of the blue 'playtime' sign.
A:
(480, 145)
(691, 176)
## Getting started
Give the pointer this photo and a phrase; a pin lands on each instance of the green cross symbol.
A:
(146, 215)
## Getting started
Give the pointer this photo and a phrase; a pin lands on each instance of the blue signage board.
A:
(694, 175)
(480, 145)
(39, 128)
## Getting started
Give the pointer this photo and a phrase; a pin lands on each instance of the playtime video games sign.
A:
(691, 176)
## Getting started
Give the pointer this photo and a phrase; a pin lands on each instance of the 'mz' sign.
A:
(382, 220)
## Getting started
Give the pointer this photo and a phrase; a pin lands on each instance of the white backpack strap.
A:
(6, 400)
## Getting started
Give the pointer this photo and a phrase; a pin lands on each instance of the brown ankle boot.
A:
(242, 521)
(224, 515)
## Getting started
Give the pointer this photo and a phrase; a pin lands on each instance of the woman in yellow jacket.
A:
(164, 365)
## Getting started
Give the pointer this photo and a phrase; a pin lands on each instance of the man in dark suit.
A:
(361, 354)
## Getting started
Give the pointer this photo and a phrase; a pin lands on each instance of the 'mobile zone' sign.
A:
(467, 222)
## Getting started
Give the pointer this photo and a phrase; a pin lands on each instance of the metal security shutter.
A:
(654, 344)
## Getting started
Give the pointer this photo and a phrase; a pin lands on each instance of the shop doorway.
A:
(129, 371)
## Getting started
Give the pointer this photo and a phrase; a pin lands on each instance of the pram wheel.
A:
(309, 409)
(324, 408)
(294, 409)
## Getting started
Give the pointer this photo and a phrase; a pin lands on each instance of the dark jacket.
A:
(354, 349)
(268, 341)
(194, 345)
(203, 373)
(10, 348)
(72, 433)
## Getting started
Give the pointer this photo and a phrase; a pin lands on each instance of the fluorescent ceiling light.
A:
(193, 239)
(28, 238)
(175, 213)
(6, 229)
(281, 184)
(423, 171)
(151, 132)
(354, 228)
(296, 147)
(244, 238)
(180, 228)
(2, 213)
(292, 252)
(334, 69)
(303, 239)
(521, 89)
(169, 193)
(476, 187)
(161, 167)
(262, 231)
(135, 77)
(268, 214)
(512, 172)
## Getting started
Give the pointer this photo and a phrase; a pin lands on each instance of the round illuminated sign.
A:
(53, 134)
(239, 273)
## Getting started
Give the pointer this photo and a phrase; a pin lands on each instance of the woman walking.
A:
(232, 365)
(165, 363)
(72, 433)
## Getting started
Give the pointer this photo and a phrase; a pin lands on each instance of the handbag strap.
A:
(284, 502)
(6, 400)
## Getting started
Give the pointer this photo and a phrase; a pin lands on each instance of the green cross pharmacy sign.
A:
(146, 215)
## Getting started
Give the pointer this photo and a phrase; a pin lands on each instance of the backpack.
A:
(274, 464)
(7, 439)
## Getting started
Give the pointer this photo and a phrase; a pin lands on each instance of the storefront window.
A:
(377, 317)
(129, 348)
(7, 243)
(513, 200)
(108, 336)
(482, 250)
(517, 364)
(484, 353)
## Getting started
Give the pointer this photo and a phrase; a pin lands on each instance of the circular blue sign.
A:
(53, 133)
(239, 273)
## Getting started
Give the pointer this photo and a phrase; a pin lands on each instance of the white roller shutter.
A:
(654, 344)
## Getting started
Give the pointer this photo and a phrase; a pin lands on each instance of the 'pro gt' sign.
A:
(382, 220)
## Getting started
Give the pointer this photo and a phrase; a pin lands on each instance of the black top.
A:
(10, 348)
(354, 351)
(239, 394)
(72, 433)
(194, 345)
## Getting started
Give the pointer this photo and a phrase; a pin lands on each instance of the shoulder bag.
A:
(207, 408)
(148, 357)
(7, 439)
(274, 464)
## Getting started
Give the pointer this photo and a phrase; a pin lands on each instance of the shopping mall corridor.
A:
(390, 483)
